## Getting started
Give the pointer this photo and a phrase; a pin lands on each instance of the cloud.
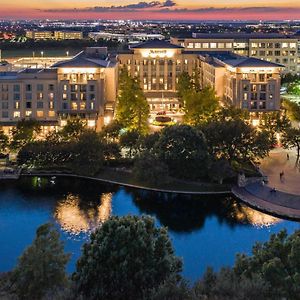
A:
(122, 8)
(170, 6)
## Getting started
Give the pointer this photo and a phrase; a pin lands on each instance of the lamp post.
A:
(67, 53)
(42, 53)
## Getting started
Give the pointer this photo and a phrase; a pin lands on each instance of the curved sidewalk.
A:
(277, 203)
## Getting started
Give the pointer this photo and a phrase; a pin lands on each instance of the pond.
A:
(205, 231)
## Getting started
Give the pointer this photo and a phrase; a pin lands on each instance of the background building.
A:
(56, 35)
(277, 48)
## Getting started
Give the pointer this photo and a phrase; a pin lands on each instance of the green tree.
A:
(277, 262)
(42, 265)
(129, 141)
(111, 132)
(147, 168)
(200, 105)
(220, 170)
(132, 107)
(184, 85)
(73, 129)
(25, 132)
(291, 139)
(292, 109)
(87, 153)
(235, 140)
(125, 258)
(4, 142)
(274, 122)
(183, 149)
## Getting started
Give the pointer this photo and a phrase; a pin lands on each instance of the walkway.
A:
(278, 162)
(277, 203)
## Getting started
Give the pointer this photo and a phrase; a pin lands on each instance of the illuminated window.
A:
(74, 106)
(28, 113)
(51, 113)
(40, 114)
(17, 114)
(205, 45)
(228, 45)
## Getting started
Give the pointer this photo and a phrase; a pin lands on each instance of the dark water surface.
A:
(206, 231)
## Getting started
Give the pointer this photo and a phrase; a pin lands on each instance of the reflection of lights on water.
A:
(254, 217)
(75, 219)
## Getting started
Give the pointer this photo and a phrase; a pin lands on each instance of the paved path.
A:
(279, 203)
(278, 162)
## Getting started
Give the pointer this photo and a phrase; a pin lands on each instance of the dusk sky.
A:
(154, 10)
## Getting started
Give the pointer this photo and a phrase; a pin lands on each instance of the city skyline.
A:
(154, 10)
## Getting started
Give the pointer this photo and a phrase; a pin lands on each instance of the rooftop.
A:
(156, 44)
(241, 36)
(90, 58)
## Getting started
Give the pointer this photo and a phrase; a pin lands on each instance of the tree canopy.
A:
(125, 257)
(132, 107)
(42, 265)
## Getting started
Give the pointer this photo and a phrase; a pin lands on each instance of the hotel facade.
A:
(86, 85)
(244, 82)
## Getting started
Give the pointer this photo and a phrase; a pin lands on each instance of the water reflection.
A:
(75, 219)
(186, 214)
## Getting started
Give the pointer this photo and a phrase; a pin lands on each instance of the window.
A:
(28, 96)
(92, 97)
(16, 88)
(39, 105)
(4, 114)
(17, 105)
(261, 77)
(92, 88)
(65, 105)
(39, 87)
(213, 45)
(51, 87)
(39, 96)
(51, 105)
(4, 105)
(17, 97)
(28, 104)
(228, 45)
(65, 96)
(28, 88)
(28, 113)
(40, 114)
(17, 114)
(52, 113)
(205, 45)
(190, 45)
(221, 45)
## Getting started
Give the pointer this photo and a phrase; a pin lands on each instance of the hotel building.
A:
(249, 83)
(276, 48)
(84, 86)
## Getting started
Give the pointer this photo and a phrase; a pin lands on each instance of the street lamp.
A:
(42, 53)
(67, 53)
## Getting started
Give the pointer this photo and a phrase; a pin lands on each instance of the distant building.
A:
(57, 35)
(39, 35)
(249, 83)
(277, 48)
(84, 86)
(68, 35)
(121, 37)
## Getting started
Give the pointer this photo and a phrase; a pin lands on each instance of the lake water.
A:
(205, 231)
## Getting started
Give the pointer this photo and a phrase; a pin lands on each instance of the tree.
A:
(220, 170)
(125, 258)
(129, 141)
(200, 105)
(235, 140)
(147, 142)
(4, 142)
(183, 149)
(132, 107)
(274, 122)
(111, 132)
(277, 262)
(25, 132)
(42, 265)
(292, 109)
(184, 85)
(73, 129)
(291, 138)
(87, 153)
(147, 168)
